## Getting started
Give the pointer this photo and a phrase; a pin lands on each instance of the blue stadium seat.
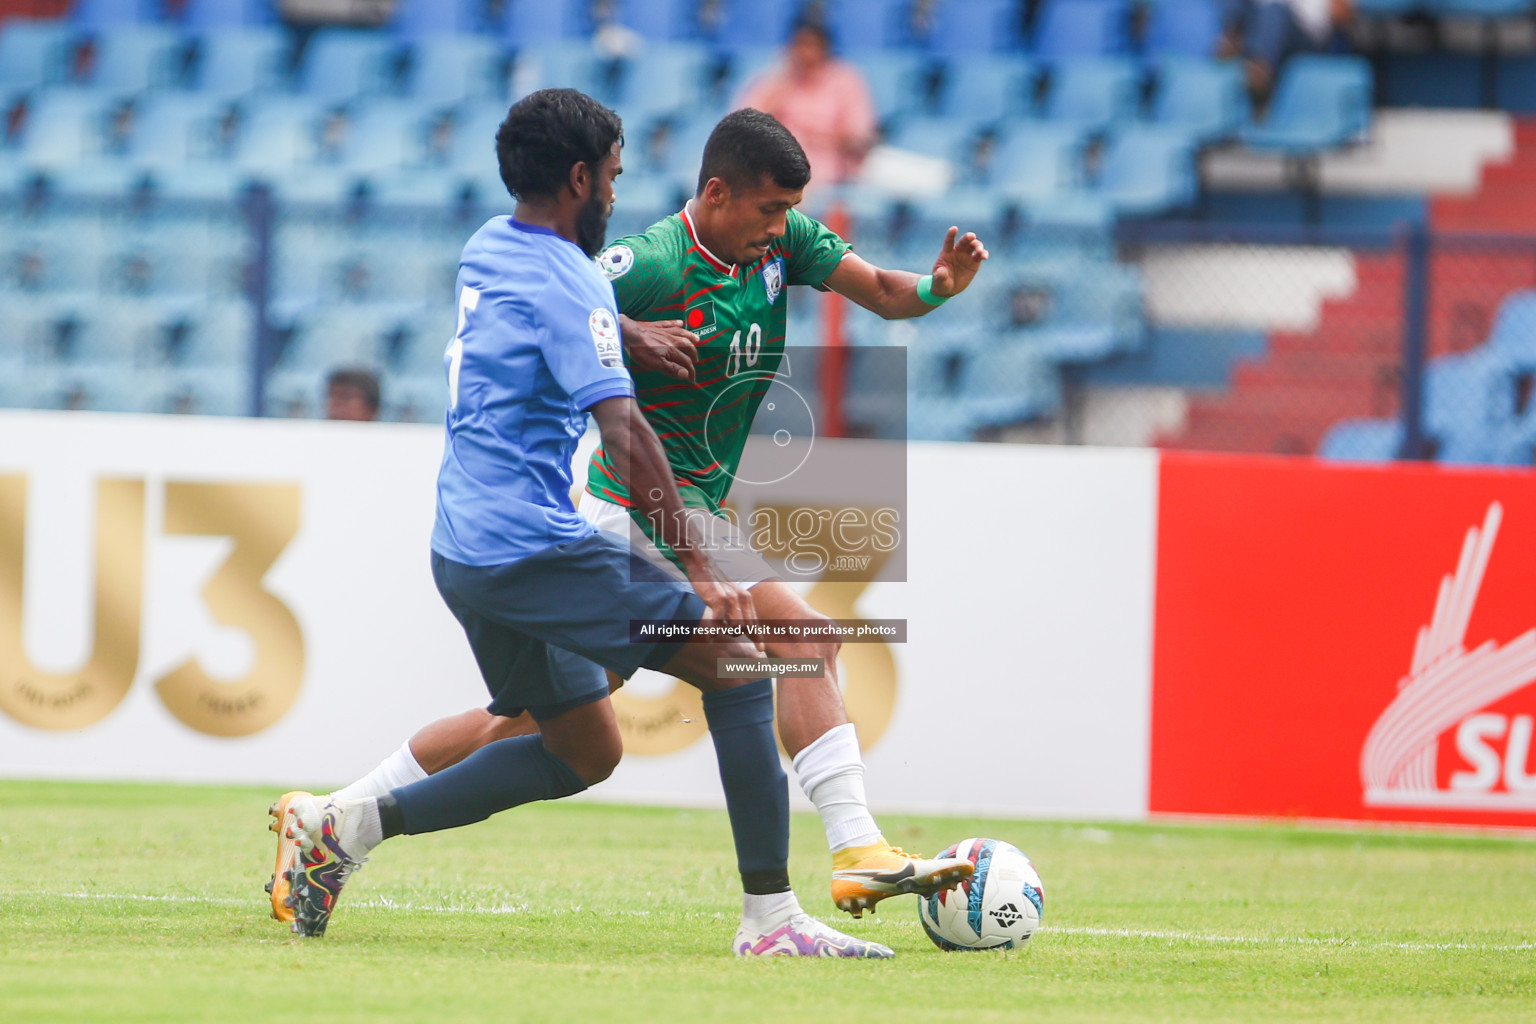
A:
(1094, 311)
(951, 139)
(1147, 171)
(1093, 95)
(33, 53)
(202, 180)
(965, 27)
(64, 126)
(277, 132)
(340, 64)
(474, 136)
(750, 24)
(135, 57)
(91, 15)
(1203, 98)
(1082, 28)
(381, 136)
(1321, 102)
(560, 63)
(897, 79)
(448, 69)
(1513, 339)
(1182, 28)
(202, 15)
(996, 384)
(1379, 8)
(661, 20)
(414, 189)
(870, 24)
(1362, 441)
(747, 63)
(664, 79)
(422, 19)
(1467, 394)
(531, 23)
(985, 88)
(1481, 8)
(236, 61)
(1036, 161)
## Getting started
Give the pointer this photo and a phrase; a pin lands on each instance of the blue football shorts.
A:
(543, 628)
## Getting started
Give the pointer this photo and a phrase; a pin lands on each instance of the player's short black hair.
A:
(364, 381)
(546, 133)
(748, 144)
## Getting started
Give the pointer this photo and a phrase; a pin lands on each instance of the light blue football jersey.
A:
(537, 345)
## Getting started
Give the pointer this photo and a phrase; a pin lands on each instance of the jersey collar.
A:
(723, 267)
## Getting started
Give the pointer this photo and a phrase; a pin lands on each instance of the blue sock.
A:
(497, 776)
(756, 788)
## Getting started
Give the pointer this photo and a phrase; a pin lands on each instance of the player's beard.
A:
(592, 225)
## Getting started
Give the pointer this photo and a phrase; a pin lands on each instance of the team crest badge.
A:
(773, 279)
(615, 261)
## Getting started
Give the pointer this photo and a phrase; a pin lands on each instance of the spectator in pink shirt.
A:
(824, 103)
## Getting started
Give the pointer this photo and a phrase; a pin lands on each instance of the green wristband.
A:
(925, 291)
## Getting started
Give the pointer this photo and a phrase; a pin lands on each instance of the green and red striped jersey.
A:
(738, 313)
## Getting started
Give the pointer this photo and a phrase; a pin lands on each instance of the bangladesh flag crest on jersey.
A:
(700, 318)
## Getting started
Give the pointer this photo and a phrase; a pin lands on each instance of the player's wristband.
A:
(925, 291)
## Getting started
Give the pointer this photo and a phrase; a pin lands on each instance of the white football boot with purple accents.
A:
(805, 936)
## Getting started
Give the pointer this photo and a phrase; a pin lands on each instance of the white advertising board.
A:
(261, 609)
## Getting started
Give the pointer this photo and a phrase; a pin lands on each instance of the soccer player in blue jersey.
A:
(546, 599)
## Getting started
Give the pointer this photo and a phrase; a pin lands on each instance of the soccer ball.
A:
(999, 907)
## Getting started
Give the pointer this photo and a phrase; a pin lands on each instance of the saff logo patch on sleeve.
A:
(605, 335)
(616, 261)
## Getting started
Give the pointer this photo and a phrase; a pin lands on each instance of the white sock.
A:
(766, 912)
(396, 770)
(370, 829)
(831, 771)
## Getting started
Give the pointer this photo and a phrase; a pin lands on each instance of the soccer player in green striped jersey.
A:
(703, 299)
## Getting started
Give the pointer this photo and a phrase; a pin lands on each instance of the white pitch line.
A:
(1103, 933)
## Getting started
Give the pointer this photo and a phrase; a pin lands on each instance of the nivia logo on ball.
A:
(1448, 686)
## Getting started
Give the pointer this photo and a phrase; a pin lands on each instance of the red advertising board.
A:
(1344, 642)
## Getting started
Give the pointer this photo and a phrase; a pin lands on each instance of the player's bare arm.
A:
(660, 346)
(641, 463)
(894, 294)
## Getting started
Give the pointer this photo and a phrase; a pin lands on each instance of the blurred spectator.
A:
(352, 394)
(1265, 32)
(824, 102)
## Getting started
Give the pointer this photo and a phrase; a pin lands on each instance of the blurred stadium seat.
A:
(339, 64)
(986, 88)
(33, 53)
(1203, 98)
(199, 15)
(234, 61)
(966, 27)
(1321, 102)
(449, 69)
(1182, 28)
(1082, 28)
(1365, 440)
(1092, 95)
(135, 57)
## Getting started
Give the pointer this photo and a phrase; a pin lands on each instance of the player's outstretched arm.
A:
(900, 294)
(661, 346)
(641, 463)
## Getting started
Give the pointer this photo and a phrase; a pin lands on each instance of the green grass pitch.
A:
(144, 903)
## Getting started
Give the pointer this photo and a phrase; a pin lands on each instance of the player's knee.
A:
(593, 756)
